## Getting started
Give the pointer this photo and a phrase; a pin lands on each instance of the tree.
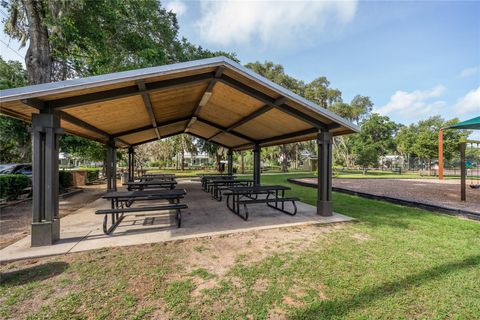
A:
(213, 150)
(15, 140)
(276, 73)
(81, 38)
(82, 148)
(319, 91)
(375, 139)
(421, 139)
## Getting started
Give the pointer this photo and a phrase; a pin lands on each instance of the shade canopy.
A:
(214, 99)
(468, 124)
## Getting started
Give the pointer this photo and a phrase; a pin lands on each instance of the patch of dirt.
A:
(15, 220)
(217, 256)
(220, 253)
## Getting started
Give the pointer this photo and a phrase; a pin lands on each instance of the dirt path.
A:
(15, 220)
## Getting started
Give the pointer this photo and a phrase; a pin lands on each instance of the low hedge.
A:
(65, 179)
(13, 185)
(93, 175)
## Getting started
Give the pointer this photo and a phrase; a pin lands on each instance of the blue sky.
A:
(414, 59)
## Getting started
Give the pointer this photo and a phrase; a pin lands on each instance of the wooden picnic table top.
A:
(145, 193)
(263, 188)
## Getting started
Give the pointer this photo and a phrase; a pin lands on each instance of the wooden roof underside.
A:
(217, 101)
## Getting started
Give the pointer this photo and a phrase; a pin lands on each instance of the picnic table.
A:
(157, 176)
(216, 186)
(207, 178)
(121, 202)
(245, 195)
(157, 183)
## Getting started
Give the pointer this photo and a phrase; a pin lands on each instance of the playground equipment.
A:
(468, 166)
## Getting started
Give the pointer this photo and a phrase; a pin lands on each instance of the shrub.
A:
(66, 179)
(13, 185)
(92, 175)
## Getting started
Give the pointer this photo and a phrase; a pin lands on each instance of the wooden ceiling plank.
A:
(95, 97)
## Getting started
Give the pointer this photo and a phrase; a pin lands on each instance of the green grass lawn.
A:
(394, 263)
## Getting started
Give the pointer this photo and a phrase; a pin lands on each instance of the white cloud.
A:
(469, 103)
(411, 105)
(177, 6)
(270, 22)
(468, 72)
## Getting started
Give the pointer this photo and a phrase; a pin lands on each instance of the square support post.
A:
(230, 162)
(463, 172)
(324, 189)
(131, 168)
(111, 166)
(45, 181)
(256, 164)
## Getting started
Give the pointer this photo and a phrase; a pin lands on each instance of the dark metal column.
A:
(324, 192)
(111, 166)
(230, 162)
(45, 181)
(130, 164)
(256, 164)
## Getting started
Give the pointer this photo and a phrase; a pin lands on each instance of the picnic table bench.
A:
(245, 195)
(121, 202)
(216, 186)
(158, 183)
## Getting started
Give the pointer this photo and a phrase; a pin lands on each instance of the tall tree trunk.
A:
(38, 58)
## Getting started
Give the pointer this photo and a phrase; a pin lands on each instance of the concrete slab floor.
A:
(82, 230)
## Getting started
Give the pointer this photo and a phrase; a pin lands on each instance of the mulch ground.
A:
(15, 220)
(444, 193)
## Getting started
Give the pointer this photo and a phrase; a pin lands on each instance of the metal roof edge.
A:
(129, 75)
(104, 79)
(291, 95)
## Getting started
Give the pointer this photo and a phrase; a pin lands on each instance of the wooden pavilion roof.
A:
(214, 99)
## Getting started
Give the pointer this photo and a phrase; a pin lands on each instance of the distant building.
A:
(193, 160)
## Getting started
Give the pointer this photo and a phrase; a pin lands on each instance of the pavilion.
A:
(214, 99)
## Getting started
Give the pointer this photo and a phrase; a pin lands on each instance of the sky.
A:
(413, 59)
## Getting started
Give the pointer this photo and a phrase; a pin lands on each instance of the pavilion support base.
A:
(324, 208)
(45, 233)
(45, 182)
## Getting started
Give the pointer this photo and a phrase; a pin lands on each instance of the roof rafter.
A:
(223, 129)
(148, 105)
(203, 138)
(155, 139)
(252, 115)
(149, 127)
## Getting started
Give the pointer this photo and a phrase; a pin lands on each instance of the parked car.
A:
(16, 169)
